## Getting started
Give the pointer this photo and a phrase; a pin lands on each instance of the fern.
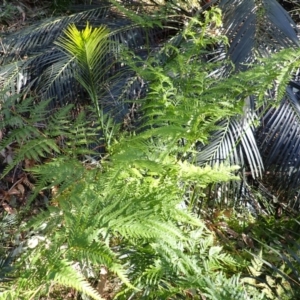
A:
(91, 214)
(38, 135)
(127, 213)
(230, 289)
(66, 275)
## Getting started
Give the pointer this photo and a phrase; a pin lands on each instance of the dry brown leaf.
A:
(29, 163)
(21, 188)
(8, 208)
(4, 195)
(28, 183)
(248, 240)
(14, 191)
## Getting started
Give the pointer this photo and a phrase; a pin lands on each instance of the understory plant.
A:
(129, 215)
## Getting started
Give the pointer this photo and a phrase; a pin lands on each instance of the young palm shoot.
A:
(90, 48)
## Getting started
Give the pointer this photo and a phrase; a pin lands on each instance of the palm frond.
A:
(36, 38)
(278, 139)
(30, 60)
(234, 144)
(256, 28)
(90, 48)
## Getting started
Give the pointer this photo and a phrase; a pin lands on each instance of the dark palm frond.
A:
(31, 60)
(36, 38)
(256, 28)
(222, 147)
(234, 143)
(252, 27)
(27, 54)
(279, 143)
(56, 80)
(121, 95)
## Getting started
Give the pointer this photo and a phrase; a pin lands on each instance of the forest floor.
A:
(16, 15)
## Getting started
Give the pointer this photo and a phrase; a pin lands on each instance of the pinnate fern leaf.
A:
(66, 275)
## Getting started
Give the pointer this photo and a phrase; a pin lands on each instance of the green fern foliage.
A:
(34, 134)
(130, 212)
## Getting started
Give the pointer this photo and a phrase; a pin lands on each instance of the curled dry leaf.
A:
(8, 208)
(248, 240)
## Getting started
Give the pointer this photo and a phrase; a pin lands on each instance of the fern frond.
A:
(33, 149)
(145, 229)
(59, 172)
(66, 275)
(96, 252)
